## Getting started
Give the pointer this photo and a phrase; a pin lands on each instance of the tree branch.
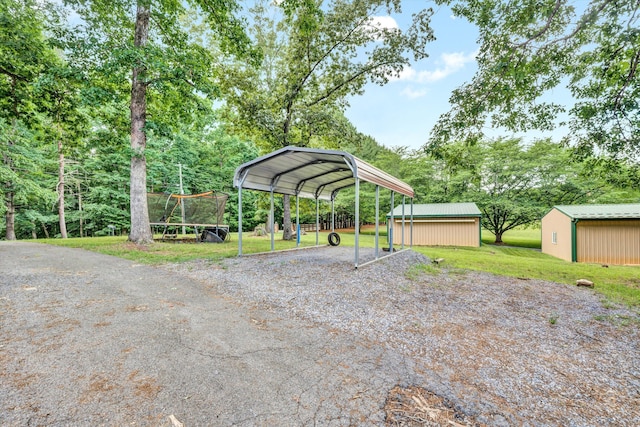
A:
(633, 67)
(545, 28)
(12, 75)
(337, 87)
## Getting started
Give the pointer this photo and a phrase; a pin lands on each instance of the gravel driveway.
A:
(301, 338)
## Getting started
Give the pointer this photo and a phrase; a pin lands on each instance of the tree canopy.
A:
(316, 55)
(530, 47)
(102, 101)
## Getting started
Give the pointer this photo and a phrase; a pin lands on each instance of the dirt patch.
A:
(416, 407)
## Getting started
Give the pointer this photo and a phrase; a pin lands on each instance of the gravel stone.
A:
(505, 351)
(301, 338)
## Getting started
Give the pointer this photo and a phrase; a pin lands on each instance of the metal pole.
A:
(317, 220)
(377, 217)
(357, 222)
(297, 221)
(391, 224)
(272, 220)
(333, 228)
(411, 226)
(240, 219)
(402, 240)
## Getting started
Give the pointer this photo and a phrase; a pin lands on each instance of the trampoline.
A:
(203, 212)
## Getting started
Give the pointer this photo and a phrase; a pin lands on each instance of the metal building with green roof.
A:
(438, 224)
(607, 234)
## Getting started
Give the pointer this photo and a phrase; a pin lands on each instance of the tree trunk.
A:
(140, 228)
(46, 232)
(287, 233)
(10, 216)
(498, 237)
(60, 189)
(80, 211)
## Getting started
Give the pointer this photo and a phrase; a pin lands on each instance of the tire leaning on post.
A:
(334, 239)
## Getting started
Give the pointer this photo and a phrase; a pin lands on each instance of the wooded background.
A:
(100, 101)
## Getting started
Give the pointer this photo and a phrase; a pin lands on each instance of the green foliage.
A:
(531, 47)
(24, 54)
(72, 86)
(172, 84)
(513, 185)
(314, 57)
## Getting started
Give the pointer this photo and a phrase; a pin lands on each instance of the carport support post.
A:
(333, 227)
(297, 221)
(402, 239)
(317, 220)
(391, 224)
(377, 218)
(240, 219)
(243, 176)
(357, 221)
(411, 226)
(272, 221)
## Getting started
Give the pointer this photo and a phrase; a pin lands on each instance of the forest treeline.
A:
(103, 101)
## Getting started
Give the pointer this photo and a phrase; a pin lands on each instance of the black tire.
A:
(334, 239)
(211, 237)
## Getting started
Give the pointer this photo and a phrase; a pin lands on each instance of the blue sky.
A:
(403, 112)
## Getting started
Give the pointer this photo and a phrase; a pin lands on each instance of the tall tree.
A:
(316, 55)
(24, 54)
(531, 47)
(58, 91)
(514, 184)
(147, 38)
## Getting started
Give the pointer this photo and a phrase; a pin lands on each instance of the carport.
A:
(318, 174)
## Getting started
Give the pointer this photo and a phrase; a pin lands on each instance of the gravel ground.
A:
(499, 351)
(300, 338)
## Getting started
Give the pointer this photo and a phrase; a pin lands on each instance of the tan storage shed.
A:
(438, 224)
(607, 234)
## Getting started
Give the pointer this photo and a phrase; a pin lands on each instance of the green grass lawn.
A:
(522, 237)
(617, 283)
(168, 251)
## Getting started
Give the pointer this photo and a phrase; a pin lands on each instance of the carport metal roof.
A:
(317, 174)
(312, 173)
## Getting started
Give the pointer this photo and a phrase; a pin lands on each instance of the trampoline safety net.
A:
(203, 208)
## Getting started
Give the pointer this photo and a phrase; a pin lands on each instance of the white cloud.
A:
(377, 25)
(449, 63)
(407, 74)
(412, 93)
(384, 22)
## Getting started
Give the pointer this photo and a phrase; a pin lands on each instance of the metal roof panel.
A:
(619, 211)
(312, 172)
(440, 210)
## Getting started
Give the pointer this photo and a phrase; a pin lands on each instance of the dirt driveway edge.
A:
(89, 339)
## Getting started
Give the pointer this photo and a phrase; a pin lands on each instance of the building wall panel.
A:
(558, 225)
(439, 232)
(608, 241)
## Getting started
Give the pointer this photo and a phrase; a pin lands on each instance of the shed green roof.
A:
(439, 210)
(623, 211)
